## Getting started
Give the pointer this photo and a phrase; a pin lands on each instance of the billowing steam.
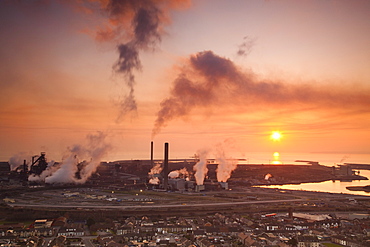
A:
(210, 82)
(182, 173)
(50, 169)
(200, 167)
(18, 159)
(225, 165)
(136, 25)
(78, 165)
(268, 176)
(154, 173)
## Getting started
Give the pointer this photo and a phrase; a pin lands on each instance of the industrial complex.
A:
(173, 202)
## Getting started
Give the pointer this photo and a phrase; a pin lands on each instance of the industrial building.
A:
(118, 175)
(4, 172)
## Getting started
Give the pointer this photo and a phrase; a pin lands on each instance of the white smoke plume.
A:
(18, 159)
(182, 173)
(268, 176)
(225, 164)
(91, 154)
(154, 173)
(200, 167)
(66, 173)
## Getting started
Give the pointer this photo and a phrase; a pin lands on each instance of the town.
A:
(89, 217)
(249, 229)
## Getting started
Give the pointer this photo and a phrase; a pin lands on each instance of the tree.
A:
(293, 242)
(90, 222)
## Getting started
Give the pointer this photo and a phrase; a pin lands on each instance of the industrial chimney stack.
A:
(165, 167)
(151, 154)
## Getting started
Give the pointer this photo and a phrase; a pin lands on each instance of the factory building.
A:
(199, 187)
(4, 172)
(177, 184)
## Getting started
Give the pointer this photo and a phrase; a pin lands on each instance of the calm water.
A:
(329, 186)
(327, 159)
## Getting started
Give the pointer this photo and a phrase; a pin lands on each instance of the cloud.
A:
(213, 83)
(245, 48)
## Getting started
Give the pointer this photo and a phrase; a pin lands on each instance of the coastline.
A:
(365, 188)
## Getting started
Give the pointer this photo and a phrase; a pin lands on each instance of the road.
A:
(123, 207)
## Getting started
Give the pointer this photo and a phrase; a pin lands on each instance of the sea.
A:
(326, 159)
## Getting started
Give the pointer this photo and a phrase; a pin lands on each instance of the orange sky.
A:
(302, 69)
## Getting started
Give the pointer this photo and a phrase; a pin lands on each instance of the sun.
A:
(276, 136)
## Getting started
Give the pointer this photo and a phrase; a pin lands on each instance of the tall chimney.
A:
(165, 167)
(25, 168)
(290, 213)
(151, 153)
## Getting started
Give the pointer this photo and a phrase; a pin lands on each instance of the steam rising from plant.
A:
(268, 176)
(200, 167)
(18, 159)
(80, 162)
(50, 169)
(182, 173)
(225, 165)
(154, 173)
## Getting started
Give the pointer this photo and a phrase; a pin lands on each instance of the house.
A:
(44, 232)
(249, 240)
(203, 242)
(123, 230)
(199, 233)
(185, 242)
(344, 241)
(10, 229)
(308, 241)
(367, 232)
(326, 224)
(59, 222)
(71, 232)
(271, 239)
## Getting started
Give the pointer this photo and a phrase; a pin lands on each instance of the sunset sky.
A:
(196, 74)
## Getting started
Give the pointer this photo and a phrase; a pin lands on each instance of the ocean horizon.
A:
(323, 158)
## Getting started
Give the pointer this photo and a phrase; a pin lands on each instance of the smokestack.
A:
(165, 167)
(25, 168)
(290, 213)
(151, 154)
